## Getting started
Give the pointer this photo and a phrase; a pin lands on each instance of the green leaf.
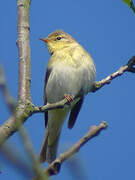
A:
(128, 2)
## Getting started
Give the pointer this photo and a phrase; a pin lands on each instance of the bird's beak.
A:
(44, 39)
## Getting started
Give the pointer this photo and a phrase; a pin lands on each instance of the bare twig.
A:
(6, 94)
(48, 107)
(129, 67)
(54, 167)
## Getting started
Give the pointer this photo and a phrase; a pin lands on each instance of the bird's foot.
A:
(69, 97)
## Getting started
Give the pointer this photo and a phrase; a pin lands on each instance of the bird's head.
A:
(58, 40)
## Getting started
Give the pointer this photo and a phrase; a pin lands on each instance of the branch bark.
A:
(129, 67)
(54, 167)
(24, 97)
(24, 50)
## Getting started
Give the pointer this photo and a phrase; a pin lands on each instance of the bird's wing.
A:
(48, 72)
(74, 113)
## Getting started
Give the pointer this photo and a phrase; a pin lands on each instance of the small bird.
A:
(70, 74)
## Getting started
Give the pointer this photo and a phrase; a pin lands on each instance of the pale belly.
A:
(67, 80)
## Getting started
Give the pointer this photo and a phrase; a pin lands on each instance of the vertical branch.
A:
(24, 107)
(24, 50)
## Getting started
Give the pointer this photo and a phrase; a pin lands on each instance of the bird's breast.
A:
(72, 73)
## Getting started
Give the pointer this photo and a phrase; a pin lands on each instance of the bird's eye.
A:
(59, 38)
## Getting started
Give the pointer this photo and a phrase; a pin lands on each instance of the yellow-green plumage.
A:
(71, 71)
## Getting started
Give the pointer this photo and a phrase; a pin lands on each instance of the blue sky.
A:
(107, 30)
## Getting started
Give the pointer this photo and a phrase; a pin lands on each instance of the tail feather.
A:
(49, 147)
(52, 151)
(42, 155)
(48, 153)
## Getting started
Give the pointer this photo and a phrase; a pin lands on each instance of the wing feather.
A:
(74, 113)
(48, 72)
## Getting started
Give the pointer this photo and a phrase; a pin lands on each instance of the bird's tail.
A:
(50, 144)
(48, 153)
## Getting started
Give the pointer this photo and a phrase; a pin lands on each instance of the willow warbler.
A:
(70, 73)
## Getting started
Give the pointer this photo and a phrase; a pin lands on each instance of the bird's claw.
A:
(69, 97)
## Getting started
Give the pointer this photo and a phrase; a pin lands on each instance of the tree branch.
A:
(48, 107)
(24, 50)
(54, 167)
(129, 67)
